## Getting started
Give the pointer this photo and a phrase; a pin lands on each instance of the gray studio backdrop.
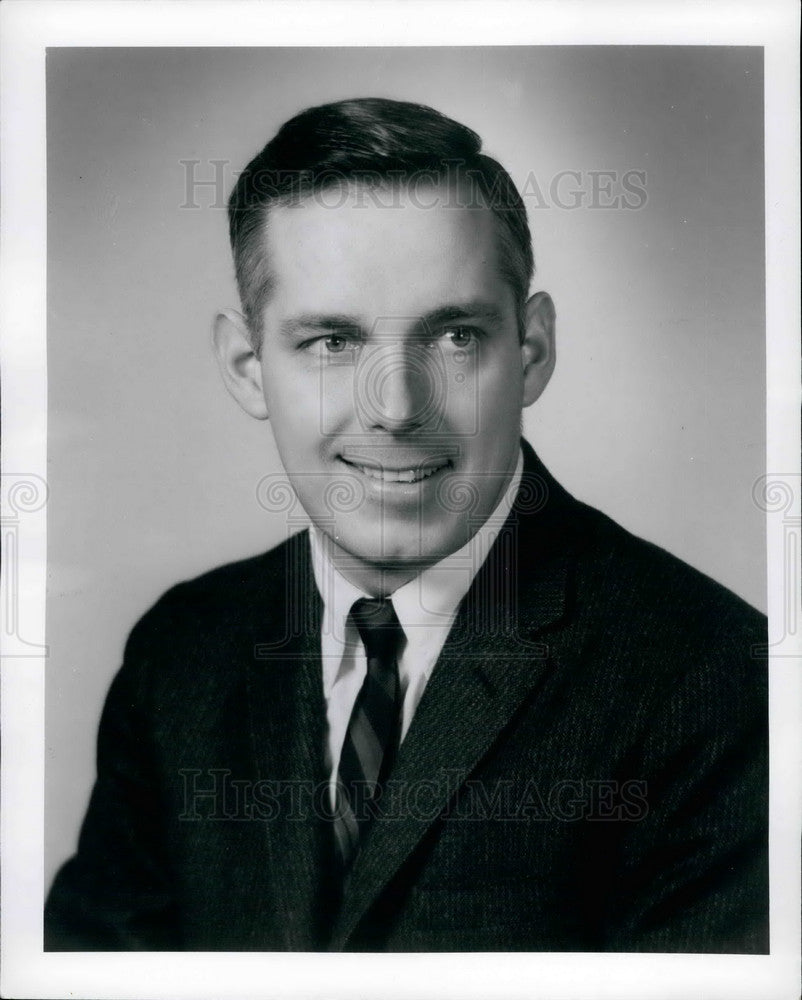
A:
(642, 173)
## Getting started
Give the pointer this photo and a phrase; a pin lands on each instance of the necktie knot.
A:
(378, 626)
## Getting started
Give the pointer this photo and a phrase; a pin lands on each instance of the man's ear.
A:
(238, 363)
(538, 349)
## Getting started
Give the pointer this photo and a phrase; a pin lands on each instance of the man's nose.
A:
(399, 387)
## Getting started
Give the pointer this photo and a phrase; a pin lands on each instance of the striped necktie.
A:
(372, 737)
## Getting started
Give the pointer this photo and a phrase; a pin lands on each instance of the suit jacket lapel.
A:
(482, 677)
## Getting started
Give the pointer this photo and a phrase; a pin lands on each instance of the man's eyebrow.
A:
(462, 311)
(320, 322)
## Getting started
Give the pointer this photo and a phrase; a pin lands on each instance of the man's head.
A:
(384, 265)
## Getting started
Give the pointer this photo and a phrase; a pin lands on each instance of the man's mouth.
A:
(413, 474)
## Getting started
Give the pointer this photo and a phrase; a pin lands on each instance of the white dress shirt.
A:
(426, 607)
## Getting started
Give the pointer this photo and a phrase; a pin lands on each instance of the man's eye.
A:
(332, 343)
(460, 336)
(335, 343)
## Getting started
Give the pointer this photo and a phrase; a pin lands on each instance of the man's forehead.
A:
(403, 253)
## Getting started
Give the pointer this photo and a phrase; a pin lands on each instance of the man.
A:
(464, 711)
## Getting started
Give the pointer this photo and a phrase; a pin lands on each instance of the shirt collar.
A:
(424, 604)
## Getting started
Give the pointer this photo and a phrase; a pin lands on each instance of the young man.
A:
(464, 711)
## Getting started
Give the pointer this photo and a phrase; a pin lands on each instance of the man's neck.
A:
(373, 579)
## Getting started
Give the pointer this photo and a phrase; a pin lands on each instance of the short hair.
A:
(369, 141)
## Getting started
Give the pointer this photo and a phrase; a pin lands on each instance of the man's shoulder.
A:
(226, 596)
(616, 572)
(647, 571)
(643, 632)
(647, 596)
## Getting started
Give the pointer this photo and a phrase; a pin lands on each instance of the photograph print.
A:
(407, 582)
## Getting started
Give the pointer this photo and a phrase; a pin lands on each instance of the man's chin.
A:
(392, 554)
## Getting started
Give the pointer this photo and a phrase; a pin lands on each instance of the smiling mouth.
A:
(411, 475)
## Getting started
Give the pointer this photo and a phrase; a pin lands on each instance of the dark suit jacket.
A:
(586, 770)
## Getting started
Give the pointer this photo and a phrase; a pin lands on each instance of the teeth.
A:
(402, 476)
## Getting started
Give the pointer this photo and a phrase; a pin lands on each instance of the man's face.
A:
(392, 371)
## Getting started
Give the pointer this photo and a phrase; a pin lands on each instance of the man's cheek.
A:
(328, 395)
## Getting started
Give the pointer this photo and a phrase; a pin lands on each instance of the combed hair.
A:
(371, 141)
